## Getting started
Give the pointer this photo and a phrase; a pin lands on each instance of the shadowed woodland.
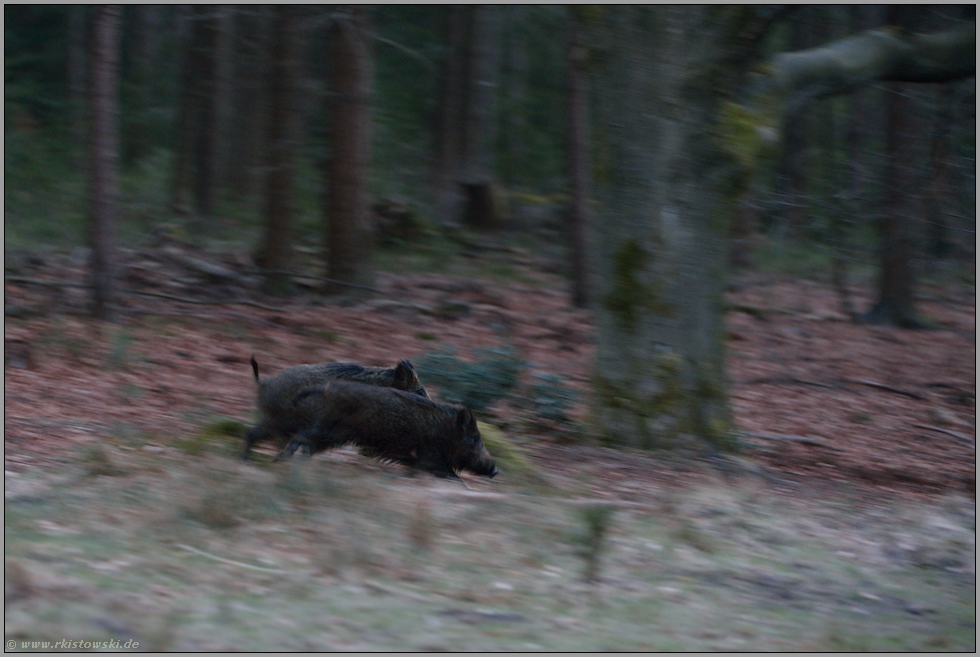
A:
(705, 276)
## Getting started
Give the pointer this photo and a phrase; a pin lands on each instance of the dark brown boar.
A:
(392, 425)
(279, 418)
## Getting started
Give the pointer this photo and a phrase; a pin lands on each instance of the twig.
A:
(241, 302)
(881, 386)
(959, 436)
(228, 561)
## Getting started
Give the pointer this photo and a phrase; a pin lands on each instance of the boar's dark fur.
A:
(392, 425)
(279, 418)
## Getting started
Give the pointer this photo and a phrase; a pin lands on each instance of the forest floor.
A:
(846, 522)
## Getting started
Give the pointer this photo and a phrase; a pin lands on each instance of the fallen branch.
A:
(36, 281)
(775, 436)
(881, 386)
(228, 561)
(789, 379)
(959, 436)
(324, 279)
(200, 302)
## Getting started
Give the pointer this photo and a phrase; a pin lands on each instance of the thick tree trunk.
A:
(276, 250)
(449, 118)
(579, 167)
(104, 61)
(665, 195)
(350, 233)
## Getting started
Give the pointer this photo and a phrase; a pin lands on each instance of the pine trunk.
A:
(104, 60)
(349, 230)
(276, 251)
(895, 284)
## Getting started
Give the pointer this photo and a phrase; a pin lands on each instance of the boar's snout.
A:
(493, 473)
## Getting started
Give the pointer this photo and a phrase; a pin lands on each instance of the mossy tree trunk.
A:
(665, 188)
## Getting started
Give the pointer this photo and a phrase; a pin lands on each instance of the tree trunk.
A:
(447, 196)
(464, 177)
(104, 61)
(516, 67)
(896, 300)
(793, 170)
(204, 182)
(276, 250)
(249, 135)
(665, 194)
(77, 39)
(187, 114)
(223, 100)
(579, 166)
(349, 230)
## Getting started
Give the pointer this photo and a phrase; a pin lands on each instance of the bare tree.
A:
(104, 144)
(893, 55)
(349, 231)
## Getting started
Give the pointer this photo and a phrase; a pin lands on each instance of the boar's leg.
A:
(256, 434)
(301, 439)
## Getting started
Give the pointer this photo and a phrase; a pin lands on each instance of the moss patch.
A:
(630, 296)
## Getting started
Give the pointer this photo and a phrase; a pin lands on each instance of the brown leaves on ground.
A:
(886, 406)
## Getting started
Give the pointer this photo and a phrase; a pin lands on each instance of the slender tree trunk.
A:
(251, 75)
(223, 99)
(187, 114)
(937, 197)
(516, 63)
(480, 121)
(276, 250)
(579, 166)
(207, 133)
(452, 94)
(664, 194)
(77, 39)
(104, 156)
(896, 301)
(464, 177)
(793, 168)
(349, 231)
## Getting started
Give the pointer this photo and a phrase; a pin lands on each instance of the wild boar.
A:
(279, 418)
(392, 425)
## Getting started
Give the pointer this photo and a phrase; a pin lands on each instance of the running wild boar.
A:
(279, 418)
(392, 425)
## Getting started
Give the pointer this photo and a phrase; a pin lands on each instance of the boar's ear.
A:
(404, 374)
(465, 420)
